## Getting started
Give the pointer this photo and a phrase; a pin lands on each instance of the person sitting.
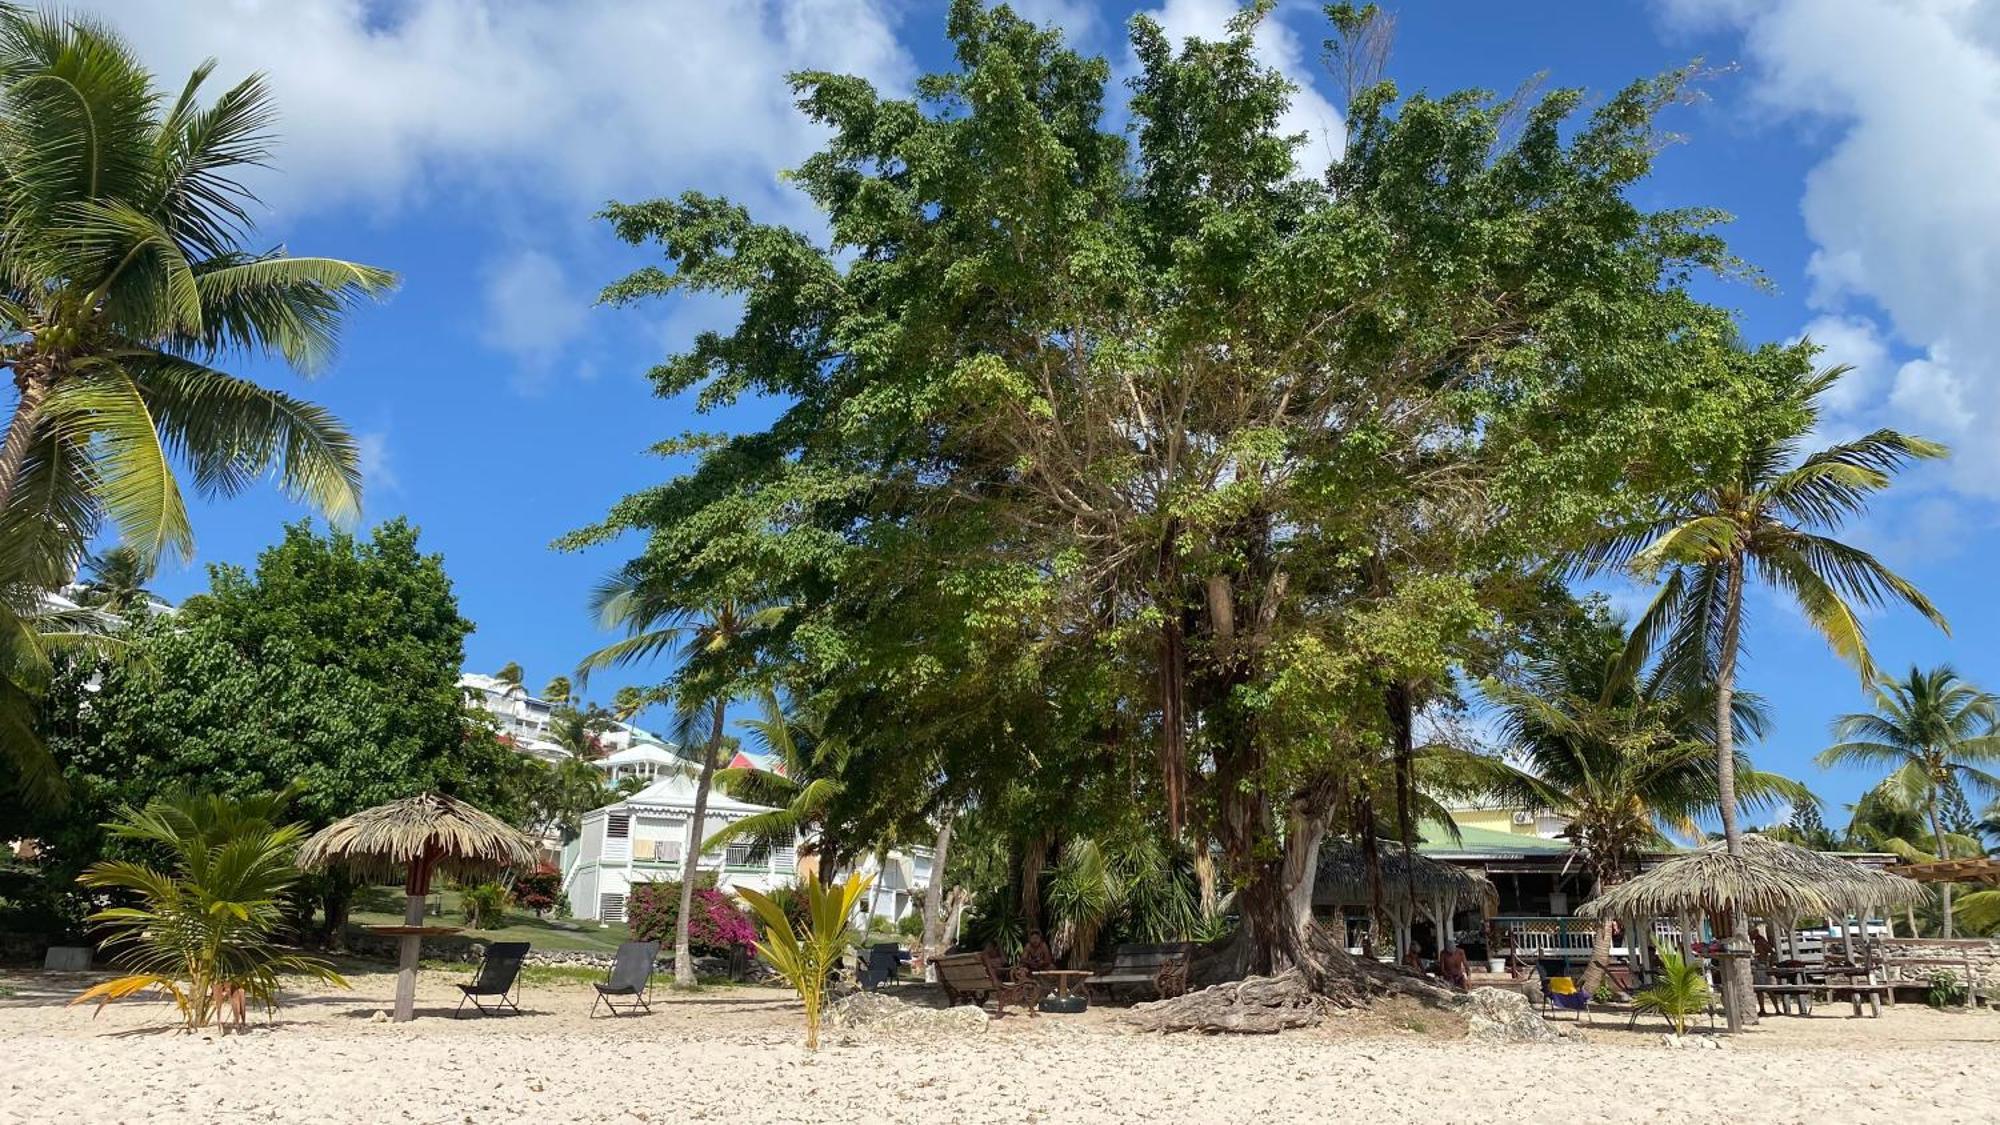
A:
(1036, 956)
(1413, 960)
(1761, 948)
(1451, 966)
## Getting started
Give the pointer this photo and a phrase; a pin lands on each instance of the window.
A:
(610, 907)
(618, 825)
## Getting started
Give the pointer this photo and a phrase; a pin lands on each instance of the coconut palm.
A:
(713, 651)
(1625, 756)
(115, 581)
(801, 786)
(1772, 516)
(1888, 819)
(35, 631)
(1934, 733)
(123, 277)
(558, 691)
(510, 674)
(204, 930)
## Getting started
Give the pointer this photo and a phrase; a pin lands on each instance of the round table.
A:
(1066, 1000)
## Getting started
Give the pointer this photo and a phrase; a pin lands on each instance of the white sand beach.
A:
(733, 1055)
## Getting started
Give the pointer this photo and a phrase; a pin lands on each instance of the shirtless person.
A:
(1451, 966)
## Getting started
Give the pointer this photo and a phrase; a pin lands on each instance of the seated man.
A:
(1413, 959)
(1451, 966)
(1036, 956)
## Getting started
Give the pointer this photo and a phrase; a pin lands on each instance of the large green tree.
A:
(332, 668)
(1156, 443)
(1935, 734)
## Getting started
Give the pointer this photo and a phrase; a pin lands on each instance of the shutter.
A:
(610, 907)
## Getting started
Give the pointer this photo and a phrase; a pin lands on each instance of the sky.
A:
(468, 144)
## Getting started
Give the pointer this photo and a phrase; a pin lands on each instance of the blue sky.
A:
(467, 143)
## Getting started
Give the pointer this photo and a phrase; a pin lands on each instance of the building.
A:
(643, 838)
(523, 721)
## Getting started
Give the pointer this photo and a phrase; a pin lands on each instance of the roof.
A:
(1342, 877)
(642, 752)
(1951, 871)
(1485, 843)
(676, 791)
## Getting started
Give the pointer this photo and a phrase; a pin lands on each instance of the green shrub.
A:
(912, 925)
(485, 906)
(1944, 991)
(880, 924)
(1680, 993)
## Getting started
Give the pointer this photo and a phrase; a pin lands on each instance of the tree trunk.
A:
(1402, 726)
(335, 902)
(1303, 838)
(1944, 852)
(1738, 994)
(684, 974)
(21, 432)
(1033, 861)
(934, 892)
(1600, 942)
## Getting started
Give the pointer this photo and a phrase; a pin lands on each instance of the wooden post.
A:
(409, 945)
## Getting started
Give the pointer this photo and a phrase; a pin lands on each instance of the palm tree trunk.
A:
(684, 975)
(1736, 970)
(1944, 852)
(21, 432)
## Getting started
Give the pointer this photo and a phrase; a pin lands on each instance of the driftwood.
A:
(1326, 979)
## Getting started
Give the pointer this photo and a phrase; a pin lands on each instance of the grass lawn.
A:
(383, 906)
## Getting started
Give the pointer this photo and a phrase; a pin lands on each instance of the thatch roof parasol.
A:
(1343, 876)
(429, 833)
(418, 837)
(1770, 879)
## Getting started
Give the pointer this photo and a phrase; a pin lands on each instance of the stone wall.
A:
(1915, 959)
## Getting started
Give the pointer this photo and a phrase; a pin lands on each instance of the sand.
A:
(733, 1055)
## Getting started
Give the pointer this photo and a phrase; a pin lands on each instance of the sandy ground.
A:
(732, 1055)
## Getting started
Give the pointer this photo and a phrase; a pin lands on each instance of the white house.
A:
(524, 720)
(643, 839)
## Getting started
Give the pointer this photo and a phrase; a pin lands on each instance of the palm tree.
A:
(558, 691)
(713, 650)
(579, 733)
(1934, 732)
(117, 581)
(1889, 819)
(35, 630)
(799, 790)
(1625, 756)
(510, 674)
(1773, 513)
(628, 702)
(122, 227)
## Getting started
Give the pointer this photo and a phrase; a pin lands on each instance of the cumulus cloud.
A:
(1280, 48)
(1901, 208)
(378, 470)
(383, 103)
(534, 312)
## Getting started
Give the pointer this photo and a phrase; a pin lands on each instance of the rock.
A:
(1691, 1042)
(379, 1017)
(876, 1012)
(1501, 1015)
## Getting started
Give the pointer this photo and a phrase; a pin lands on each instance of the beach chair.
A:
(498, 980)
(631, 976)
(880, 966)
(1562, 993)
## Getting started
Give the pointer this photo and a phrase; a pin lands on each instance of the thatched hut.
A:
(1413, 886)
(418, 838)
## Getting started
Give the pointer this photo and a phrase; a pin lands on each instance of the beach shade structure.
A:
(418, 838)
(1413, 885)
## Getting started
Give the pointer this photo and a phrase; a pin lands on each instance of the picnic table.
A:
(1065, 998)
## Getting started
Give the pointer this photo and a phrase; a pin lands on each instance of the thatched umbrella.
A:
(1411, 883)
(418, 837)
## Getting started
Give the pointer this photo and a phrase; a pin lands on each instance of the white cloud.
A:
(1901, 208)
(378, 469)
(534, 312)
(1277, 46)
(1857, 342)
(578, 102)
(1078, 19)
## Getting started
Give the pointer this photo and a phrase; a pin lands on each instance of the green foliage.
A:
(539, 890)
(1679, 994)
(1944, 990)
(804, 954)
(203, 925)
(912, 925)
(332, 669)
(484, 905)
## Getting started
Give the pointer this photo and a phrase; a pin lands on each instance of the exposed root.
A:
(1324, 979)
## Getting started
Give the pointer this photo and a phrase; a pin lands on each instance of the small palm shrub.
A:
(202, 925)
(804, 953)
(1680, 993)
(485, 906)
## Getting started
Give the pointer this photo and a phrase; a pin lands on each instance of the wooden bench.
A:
(1784, 996)
(1857, 991)
(968, 978)
(1155, 970)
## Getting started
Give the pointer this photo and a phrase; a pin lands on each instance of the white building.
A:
(643, 839)
(524, 721)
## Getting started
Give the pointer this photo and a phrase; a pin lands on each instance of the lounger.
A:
(631, 976)
(880, 966)
(498, 980)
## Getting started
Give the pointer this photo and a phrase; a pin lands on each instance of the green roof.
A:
(1485, 843)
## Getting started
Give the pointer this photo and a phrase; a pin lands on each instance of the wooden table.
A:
(1064, 982)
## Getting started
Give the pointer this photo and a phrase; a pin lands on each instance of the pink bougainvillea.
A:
(718, 927)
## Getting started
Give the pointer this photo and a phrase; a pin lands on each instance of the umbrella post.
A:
(410, 944)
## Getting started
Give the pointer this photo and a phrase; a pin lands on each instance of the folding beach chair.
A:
(631, 975)
(881, 966)
(1563, 994)
(498, 979)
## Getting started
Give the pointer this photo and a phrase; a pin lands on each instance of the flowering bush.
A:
(538, 890)
(717, 928)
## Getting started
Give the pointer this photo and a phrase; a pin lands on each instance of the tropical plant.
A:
(1943, 990)
(36, 632)
(538, 890)
(1680, 991)
(116, 581)
(1772, 514)
(712, 649)
(717, 927)
(510, 674)
(558, 691)
(1935, 733)
(801, 785)
(803, 954)
(484, 905)
(579, 733)
(205, 925)
(123, 222)
(1625, 753)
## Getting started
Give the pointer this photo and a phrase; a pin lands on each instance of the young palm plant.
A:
(1625, 755)
(805, 952)
(204, 928)
(1772, 516)
(1679, 994)
(1935, 733)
